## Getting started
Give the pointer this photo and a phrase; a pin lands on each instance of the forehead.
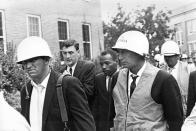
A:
(106, 57)
(68, 49)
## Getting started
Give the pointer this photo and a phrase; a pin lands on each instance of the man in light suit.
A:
(145, 97)
(83, 70)
(103, 107)
(178, 69)
(39, 98)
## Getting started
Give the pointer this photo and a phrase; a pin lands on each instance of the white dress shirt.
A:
(37, 102)
(139, 73)
(107, 82)
(73, 69)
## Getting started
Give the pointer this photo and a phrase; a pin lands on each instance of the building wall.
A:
(76, 12)
(183, 16)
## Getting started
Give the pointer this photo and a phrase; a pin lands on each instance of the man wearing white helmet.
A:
(145, 97)
(39, 101)
(178, 69)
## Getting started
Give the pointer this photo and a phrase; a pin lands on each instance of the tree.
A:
(153, 24)
(119, 24)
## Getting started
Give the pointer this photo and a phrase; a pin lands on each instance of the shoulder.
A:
(86, 63)
(164, 77)
(101, 74)
(193, 74)
(62, 68)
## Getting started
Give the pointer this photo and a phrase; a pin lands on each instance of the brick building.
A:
(55, 21)
(183, 19)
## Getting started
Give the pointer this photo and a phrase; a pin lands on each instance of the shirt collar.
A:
(73, 67)
(176, 66)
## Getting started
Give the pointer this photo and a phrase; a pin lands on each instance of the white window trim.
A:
(67, 28)
(90, 42)
(4, 31)
(39, 20)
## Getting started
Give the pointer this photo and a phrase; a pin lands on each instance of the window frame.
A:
(4, 30)
(67, 23)
(39, 22)
(88, 42)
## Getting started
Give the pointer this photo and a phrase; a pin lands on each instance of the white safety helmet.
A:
(170, 48)
(184, 56)
(134, 41)
(32, 47)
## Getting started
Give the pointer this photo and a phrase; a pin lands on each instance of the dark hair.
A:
(71, 42)
(111, 52)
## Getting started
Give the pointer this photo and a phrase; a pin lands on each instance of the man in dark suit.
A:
(39, 98)
(191, 92)
(103, 108)
(83, 70)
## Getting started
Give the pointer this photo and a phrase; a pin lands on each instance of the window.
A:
(2, 31)
(86, 41)
(63, 33)
(192, 47)
(191, 26)
(179, 34)
(33, 25)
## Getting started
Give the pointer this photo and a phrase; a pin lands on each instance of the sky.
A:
(109, 7)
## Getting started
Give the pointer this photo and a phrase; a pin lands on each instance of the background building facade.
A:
(55, 21)
(183, 20)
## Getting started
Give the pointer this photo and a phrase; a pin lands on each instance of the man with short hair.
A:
(83, 70)
(145, 97)
(39, 102)
(103, 108)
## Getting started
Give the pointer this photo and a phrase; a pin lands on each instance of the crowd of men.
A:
(129, 94)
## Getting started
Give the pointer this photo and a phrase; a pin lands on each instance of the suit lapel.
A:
(78, 68)
(28, 100)
(51, 86)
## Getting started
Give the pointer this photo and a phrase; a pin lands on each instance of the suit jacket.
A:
(80, 118)
(85, 72)
(191, 92)
(103, 106)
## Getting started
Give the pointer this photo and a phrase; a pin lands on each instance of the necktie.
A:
(70, 70)
(133, 84)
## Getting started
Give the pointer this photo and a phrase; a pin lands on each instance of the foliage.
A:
(153, 24)
(12, 76)
(119, 24)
